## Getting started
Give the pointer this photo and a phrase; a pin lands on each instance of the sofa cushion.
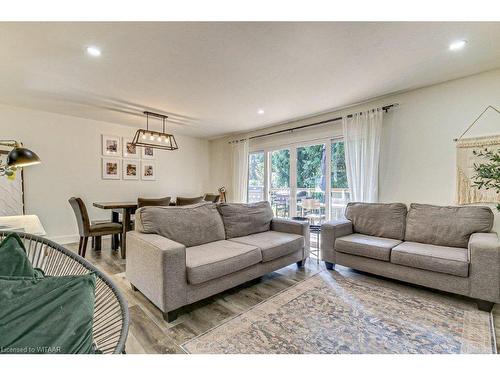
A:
(378, 219)
(366, 246)
(216, 259)
(243, 219)
(189, 225)
(446, 225)
(273, 244)
(450, 260)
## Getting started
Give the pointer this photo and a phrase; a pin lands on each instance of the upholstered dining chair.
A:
(88, 229)
(210, 197)
(143, 202)
(182, 201)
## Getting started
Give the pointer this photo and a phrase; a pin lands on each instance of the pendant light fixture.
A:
(154, 139)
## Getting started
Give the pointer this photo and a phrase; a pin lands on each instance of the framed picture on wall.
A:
(130, 151)
(148, 170)
(111, 146)
(111, 169)
(131, 169)
(148, 153)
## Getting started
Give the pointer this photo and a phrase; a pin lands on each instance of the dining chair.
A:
(87, 229)
(211, 197)
(281, 203)
(182, 201)
(143, 202)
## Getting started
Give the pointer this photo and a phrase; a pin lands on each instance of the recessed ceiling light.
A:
(459, 44)
(93, 51)
(260, 111)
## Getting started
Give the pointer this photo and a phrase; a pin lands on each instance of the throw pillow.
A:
(14, 260)
(49, 315)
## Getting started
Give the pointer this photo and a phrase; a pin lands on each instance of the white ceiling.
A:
(211, 78)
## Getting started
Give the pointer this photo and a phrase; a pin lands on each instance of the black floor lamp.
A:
(18, 157)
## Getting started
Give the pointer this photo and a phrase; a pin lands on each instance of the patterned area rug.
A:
(335, 313)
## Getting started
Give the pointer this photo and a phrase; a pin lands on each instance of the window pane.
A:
(339, 174)
(280, 169)
(256, 177)
(280, 182)
(311, 182)
(340, 194)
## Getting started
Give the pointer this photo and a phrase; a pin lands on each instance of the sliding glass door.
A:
(340, 194)
(256, 177)
(303, 179)
(279, 181)
(311, 182)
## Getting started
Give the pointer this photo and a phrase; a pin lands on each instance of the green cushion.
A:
(47, 315)
(13, 258)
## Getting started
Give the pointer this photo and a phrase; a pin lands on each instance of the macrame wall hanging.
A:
(466, 192)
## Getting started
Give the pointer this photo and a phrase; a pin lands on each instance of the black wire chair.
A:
(111, 318)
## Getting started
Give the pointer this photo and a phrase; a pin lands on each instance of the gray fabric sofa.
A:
(180, 255)
(445, 248)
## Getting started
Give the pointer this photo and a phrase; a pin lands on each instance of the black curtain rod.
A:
(385, 108)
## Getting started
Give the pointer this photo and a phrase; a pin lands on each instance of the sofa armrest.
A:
(330, 231)
(484, 272)
(293, 227)
(156, 266)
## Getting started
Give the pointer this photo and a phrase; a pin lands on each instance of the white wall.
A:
(418, 155)
(70, 149)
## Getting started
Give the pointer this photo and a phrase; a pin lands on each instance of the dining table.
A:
(126, 209)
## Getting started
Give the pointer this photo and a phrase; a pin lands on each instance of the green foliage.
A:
(309, 166)
(487, 174)
(256, 169)
(280, 169)
(339, 173)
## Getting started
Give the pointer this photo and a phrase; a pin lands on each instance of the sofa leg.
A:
(484, 305)
(300, 263)
(329, 266)
(134, 288)
(170, 316)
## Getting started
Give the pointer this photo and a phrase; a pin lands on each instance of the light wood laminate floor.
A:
(149, 333)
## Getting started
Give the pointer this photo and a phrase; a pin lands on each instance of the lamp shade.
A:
(22, 157)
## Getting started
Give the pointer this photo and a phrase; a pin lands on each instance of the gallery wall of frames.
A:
(121, 160)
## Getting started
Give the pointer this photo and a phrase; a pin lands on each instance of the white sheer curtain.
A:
(240, 171)
(362, 133)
